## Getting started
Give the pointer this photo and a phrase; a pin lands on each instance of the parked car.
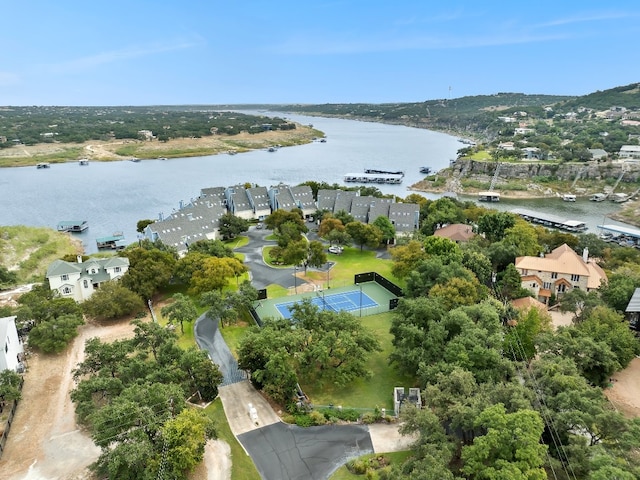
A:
(259, 226)
(335, 249)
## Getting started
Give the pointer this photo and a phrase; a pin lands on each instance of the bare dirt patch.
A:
(624, 393)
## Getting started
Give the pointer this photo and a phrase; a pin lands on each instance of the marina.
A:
(384, 172)
(625, 236)
(551, 221)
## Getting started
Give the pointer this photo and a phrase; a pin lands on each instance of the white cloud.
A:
(586, 18)
(127, 53)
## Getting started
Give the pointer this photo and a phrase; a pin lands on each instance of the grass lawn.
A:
(376, 391)
(353, 261)
(237, 242)
(232, 335)
(394, 458)
(242, 467)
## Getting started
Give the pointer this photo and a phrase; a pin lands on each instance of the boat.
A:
(619, 197)
(232, 152)
(73, 226)
(384, 172)
(134, 159)
(271, 149)
(425, 170)
(83, 161)
(162, 158)
(568, 197)
(598, 197)
(323, 140)
(43, 165)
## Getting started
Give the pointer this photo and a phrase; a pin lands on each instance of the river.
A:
(113, 196)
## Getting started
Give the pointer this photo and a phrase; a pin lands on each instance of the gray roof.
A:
(404, 216)
(60, 267)
(213, 193)
(284, 200)
(327, 199)
(240, 201)
(343, 201)
(379, 209)
(259, 198)
(303, 196)
(634, 303)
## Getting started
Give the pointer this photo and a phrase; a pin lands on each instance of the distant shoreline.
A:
(118, 150)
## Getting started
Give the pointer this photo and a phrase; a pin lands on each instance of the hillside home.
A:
(629, 152)
(559, 272)
(79, 280)
(632, 312)
(456, 232)
(11, 355)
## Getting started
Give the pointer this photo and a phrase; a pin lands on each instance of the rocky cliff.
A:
(564, 172)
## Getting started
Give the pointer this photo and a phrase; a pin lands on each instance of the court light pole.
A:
(360, 300)
(295, 279)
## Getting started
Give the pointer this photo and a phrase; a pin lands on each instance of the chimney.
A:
(160, 215)
(585, 255)
(79, 258)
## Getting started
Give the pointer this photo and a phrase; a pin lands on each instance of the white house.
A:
(79, 280)
(12, 349)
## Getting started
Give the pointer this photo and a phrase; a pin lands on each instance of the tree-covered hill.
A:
(627, 96)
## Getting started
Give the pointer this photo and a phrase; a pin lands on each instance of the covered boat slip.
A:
(115, 241)
(73, 226)
(488, 196)
(389, 178)
(630, 235)
(551, 221)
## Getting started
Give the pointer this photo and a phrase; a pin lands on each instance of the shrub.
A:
(318, 418)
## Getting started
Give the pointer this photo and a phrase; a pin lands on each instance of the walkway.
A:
(281, 451)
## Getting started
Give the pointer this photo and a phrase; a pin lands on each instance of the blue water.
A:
(113, 196)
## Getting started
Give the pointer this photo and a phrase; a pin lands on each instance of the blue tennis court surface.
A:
(347, 301)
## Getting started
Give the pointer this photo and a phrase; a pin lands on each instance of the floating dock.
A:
(388, 178)
(488, 196)
(74, 226)
(551, 221)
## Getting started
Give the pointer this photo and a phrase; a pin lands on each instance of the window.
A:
(575, 278)
(85, 284)
(547, 285)
(66, 290)
(554, 274)
(64, 277)
(116, 269)
(562, 288)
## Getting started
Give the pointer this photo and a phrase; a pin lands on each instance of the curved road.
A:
(278, 450)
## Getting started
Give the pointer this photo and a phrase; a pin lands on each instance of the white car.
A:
(335, 249)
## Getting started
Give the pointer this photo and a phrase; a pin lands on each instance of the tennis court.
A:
(347, 301)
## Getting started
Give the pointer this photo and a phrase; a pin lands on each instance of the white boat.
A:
(568, 197)
(83, 162)
(43, 165)
(598, 197)
(619, 197)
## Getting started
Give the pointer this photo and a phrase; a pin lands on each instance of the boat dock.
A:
(388, 178)
(73, 226)
(114, 242)
(488, 196)
(625, 236)
(551, 221)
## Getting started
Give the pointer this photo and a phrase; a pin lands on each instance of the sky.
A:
(175, 52)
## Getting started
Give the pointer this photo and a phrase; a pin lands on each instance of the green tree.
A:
(510, 448)
(447, 250)
(231, 226)
(181, 310)
(494, 224)
(54, 335)
(214, 274)
(142, 224)
(329, 224)
(184, 437)
(386, 228)
(212, 248)
(112, 300)
(364, 234)
(149, 270)
(406, 258)
(10, 385)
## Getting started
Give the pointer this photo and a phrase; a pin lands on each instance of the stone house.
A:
(559, 272)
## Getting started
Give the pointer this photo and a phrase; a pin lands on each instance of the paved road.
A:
(281, 451)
